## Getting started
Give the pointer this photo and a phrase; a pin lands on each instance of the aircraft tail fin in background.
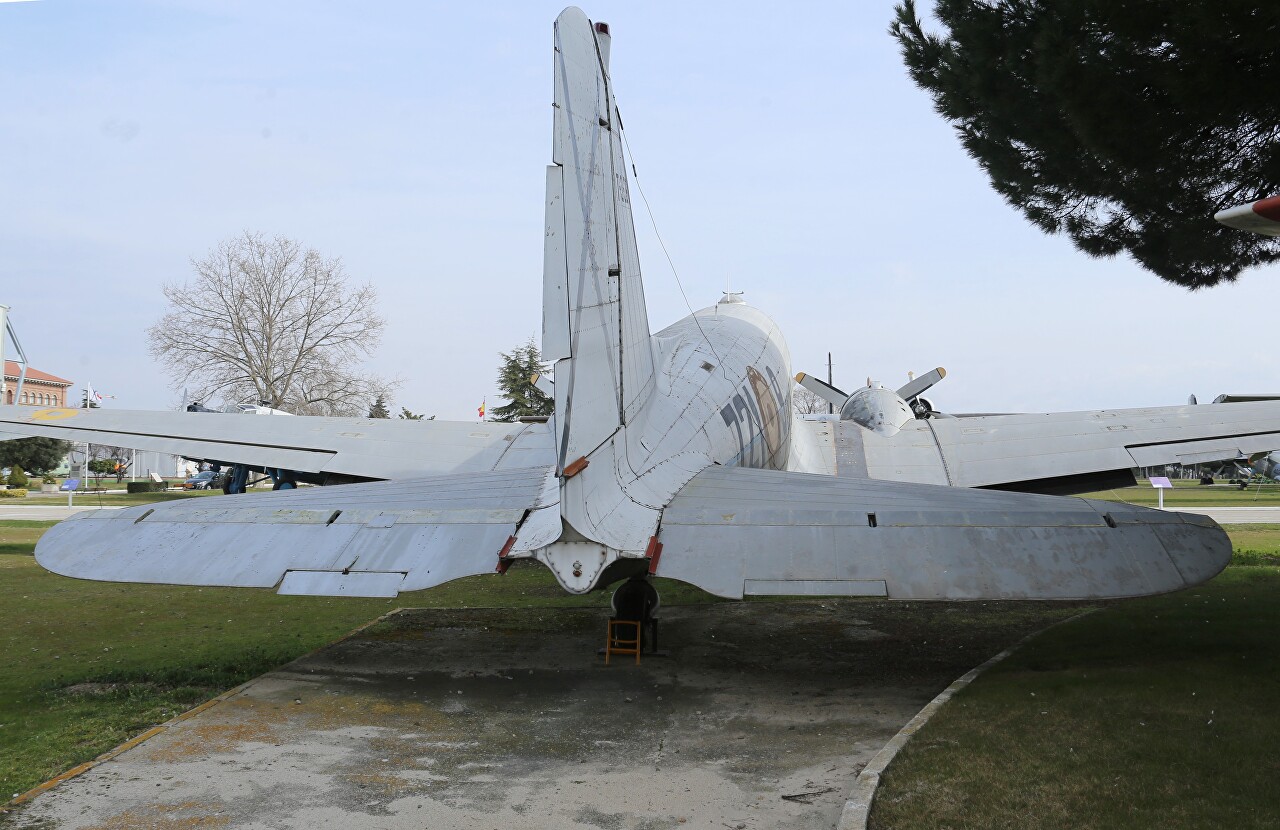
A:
(595, 326)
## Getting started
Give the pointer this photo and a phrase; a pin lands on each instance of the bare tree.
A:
(107, 460)
(807, 403)
(266, 321)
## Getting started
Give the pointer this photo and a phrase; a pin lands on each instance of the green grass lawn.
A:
(107, 499)
(1152, 713)
(1192, 494)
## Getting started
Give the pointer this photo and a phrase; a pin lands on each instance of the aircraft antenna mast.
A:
(831, 409)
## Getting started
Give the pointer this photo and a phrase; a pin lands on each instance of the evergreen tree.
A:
(406, 415)
(515, 380)
(1124, 125)
(379, 408)
(17, 478)
(38, 454)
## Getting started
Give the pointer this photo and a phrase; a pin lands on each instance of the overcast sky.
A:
(783, 149)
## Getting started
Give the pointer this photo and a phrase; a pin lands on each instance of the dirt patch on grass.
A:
(759, 715)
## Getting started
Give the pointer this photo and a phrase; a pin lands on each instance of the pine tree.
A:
(407, 415)
(38, 454)
(1124, 125)
(515, 380)
(379, 408)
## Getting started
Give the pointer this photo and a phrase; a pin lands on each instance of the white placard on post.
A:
(1161, 483)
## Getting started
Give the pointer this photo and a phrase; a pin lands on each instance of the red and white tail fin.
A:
(1260, 217)
(595, 327)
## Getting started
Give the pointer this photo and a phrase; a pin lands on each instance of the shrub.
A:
(48, 479)
(17, 478)
(13, 494)
(145, 486)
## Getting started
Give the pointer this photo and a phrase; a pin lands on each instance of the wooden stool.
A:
(616, 644)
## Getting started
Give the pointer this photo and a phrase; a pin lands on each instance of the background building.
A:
(39, 389)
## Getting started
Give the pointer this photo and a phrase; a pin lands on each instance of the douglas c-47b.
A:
(672, 453)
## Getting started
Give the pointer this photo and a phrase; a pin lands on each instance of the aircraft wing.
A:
(369, 539)
(735, 531)
(1060, 453)
(356, 447)
(1242, 397)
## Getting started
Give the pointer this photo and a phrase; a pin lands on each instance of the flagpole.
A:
(84, 467)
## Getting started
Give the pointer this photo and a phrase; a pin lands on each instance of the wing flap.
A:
(735, 531)
(338, 584)
(1200, 451)
(349, 540)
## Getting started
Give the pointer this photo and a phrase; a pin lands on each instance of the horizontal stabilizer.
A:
(823, 390)
(372, 539)
(736, 531)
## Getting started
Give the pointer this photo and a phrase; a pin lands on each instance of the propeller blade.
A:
(543, 384)
(823, 390)
(917, 387)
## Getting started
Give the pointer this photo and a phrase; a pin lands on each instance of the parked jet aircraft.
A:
(673, 454)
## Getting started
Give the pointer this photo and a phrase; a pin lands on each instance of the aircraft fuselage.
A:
(721, 396)
(723, 390)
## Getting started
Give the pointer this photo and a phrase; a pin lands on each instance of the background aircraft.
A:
(673, 453)
(1262, 216)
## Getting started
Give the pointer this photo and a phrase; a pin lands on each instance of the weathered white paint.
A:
(648, 432)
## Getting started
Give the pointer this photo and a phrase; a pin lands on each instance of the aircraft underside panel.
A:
(372, 539)
(736, 532)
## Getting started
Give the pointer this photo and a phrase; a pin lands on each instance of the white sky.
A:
(782, 148)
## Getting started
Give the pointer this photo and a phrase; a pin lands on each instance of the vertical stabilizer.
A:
(595, 328)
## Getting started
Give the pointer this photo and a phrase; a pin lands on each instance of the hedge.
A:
(13, 494)
(146, 486)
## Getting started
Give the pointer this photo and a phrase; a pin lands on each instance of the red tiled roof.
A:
(11, 370)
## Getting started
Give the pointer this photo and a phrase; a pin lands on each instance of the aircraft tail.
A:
(595, 327)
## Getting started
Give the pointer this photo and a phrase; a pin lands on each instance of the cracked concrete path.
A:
(507, 718)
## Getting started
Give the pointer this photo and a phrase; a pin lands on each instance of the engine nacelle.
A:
(1267, 465)
(880, 410)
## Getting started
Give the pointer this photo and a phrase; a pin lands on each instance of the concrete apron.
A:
(762, 716)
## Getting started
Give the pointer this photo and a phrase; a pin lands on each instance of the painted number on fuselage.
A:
(755, 415)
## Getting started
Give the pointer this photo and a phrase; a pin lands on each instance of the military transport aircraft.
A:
(673, 454)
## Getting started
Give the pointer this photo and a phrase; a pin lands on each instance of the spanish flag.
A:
(481, 409)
